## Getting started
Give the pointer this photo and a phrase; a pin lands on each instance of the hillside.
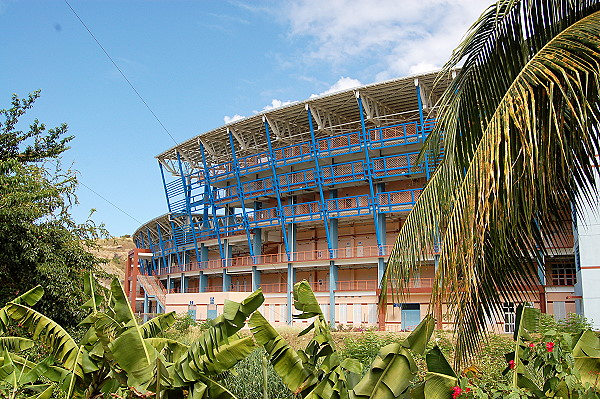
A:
(115, 250)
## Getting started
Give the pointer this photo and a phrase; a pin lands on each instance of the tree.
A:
(39, 241)
(519, 132)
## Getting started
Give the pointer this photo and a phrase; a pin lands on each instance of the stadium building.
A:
(315, 190)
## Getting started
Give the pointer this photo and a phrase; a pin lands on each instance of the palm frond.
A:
(519, 128)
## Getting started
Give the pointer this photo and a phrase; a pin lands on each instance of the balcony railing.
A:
(282, 258)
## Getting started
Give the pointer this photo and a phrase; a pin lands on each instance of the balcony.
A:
(415, 285)
(281, 259)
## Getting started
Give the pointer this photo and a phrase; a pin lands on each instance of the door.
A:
(411, 316)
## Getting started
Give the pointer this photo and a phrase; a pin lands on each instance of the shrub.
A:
(246, 380)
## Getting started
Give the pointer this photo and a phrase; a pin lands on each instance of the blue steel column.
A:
(277, 189)
(229, 218)
(162, 174)
(154, 268)
(240, 192)
(333, 268)
(203, 282)
(421, 129)
(319, 178)
(161, 244)
(211, 200)
(257, 245)
(367, 145)
(188, 206)
(291, 273)
(382, 232)
(184, 283)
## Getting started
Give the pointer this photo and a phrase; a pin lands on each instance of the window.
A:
(563, 272)
(508, 308)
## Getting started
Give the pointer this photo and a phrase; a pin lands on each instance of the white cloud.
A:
(230, 119)
(343, 83)
(395, 37)
(274, 104)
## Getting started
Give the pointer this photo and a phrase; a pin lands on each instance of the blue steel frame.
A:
(319, 179)
(161, 244)
(368, 168)
(162, 173)
(277, 191)
(211, 200)
(240, 191)
(368, 172)
(152, 247)
(188, 206)
(421, 120)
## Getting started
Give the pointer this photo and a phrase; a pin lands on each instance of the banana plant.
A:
(318, 371)
(17, 374)
(118, 356)
(394, 367)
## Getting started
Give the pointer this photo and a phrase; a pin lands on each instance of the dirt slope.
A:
(115, 250)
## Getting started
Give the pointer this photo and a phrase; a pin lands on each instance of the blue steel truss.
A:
(196, 193)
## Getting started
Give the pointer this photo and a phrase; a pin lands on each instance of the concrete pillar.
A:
(184, 283)
(291, 276)
(226, 276)
(202, 282)
(146, 307)
(333, 268)
(256, 274)
(291, 279)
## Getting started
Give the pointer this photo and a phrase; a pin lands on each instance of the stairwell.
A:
(153, 288)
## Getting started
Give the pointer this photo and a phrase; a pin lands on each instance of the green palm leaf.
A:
(285, 360)
(393, 369)
(519, 131)
(15, 344)
(157, 325)
(29, 298)
(62, 346)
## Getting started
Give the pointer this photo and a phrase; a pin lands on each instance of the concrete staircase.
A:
(153, 288)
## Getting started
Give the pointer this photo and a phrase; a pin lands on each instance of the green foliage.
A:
(245, 382)
(39, 241)
(183, 322)
(364, 347)
(572, 324)
(118, 356)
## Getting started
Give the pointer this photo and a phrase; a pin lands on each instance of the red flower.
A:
(456, 391)
(511, 364)
(531, 345)
(549, 346)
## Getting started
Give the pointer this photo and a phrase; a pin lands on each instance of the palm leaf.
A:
(15, 344)
(519, 131)
(394, 368)
(157, 325)
(130, 340)
(62, 346)
(29, 298)
(285, 360)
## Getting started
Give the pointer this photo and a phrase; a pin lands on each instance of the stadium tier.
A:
(314, 190)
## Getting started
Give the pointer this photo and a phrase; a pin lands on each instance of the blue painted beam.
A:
(276, 186)
(211, 200)
(420, 129)
(240, 192)
(161, 244)
(162, 174)
(368, 170)
(188, 208)
(319, 178)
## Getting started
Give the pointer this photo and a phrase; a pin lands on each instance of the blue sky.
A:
(198, 64)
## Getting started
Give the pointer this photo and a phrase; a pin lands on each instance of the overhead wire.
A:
(135, 91)
(122, 74)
